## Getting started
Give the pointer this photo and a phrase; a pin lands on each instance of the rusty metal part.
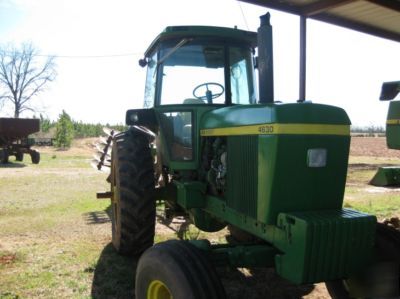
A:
(103, 148)
(103, 195)
(110, 132)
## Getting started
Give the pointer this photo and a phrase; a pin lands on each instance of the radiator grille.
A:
(242, 174)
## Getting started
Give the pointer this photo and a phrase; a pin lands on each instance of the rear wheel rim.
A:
(158, 290)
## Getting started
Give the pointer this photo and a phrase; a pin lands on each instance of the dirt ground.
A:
(371, 147)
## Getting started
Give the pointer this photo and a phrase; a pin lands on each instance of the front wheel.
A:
(381, 279)
(132, 188)
(176, 269)
(19, 156)
(35, 157)
(3, 156)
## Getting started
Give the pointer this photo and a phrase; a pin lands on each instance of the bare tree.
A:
(23, 75)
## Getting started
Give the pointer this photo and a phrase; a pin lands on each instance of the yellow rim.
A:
(274, 129)
(158, 290)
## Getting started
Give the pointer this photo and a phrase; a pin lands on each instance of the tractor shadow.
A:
(259, 283)
(98, 217)
(114, 275)
(12, 165)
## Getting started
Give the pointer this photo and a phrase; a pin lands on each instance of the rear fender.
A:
(142, 117)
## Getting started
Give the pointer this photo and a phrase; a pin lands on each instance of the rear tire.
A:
(387, 246)
(176, 269)
(3, 156)
(19, 156)
(132, 186)
(35, 157)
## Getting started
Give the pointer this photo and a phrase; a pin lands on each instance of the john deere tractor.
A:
(208, 146)
(390, 175)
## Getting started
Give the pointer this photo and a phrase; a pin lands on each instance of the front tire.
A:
(19, 156)
(176, 269)
(3, 156)
(132, 187)
(382, 279)
(35, 157)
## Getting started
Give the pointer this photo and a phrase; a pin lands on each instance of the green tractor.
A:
(390, 175)
(208, 147)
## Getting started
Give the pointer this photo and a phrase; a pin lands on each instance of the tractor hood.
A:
(293, 113)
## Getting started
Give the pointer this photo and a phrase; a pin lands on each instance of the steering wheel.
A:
(209, 96)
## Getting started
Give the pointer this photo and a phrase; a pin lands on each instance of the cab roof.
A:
(222, 33)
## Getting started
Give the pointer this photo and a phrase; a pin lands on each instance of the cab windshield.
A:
(200, 72)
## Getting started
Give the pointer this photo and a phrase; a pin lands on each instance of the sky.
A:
(98, 43)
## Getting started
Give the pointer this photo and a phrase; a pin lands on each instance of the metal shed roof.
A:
(377, 17)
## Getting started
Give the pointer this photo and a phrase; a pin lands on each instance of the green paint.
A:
(321, 245)
(297, 113)
(393, 125)
(287, 183)
(315, 246)
(242, 174)
(386, 176)
(191, 195)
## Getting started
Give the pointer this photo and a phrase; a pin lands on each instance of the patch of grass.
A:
(360, 176)
(8, 295)
(44, 222)
(383, 205)
(53, 159)
(359, 195)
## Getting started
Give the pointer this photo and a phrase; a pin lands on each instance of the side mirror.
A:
(389, 90)
(143, 62)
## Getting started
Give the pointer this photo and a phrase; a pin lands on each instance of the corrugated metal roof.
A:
(377, 17)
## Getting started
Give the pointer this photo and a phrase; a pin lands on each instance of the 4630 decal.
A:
(266, 129)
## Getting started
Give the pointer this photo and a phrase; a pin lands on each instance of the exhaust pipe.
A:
(265, 60)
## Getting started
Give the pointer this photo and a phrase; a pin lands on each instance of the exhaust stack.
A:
(265, 60)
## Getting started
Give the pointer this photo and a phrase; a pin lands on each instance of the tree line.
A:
(66, 129)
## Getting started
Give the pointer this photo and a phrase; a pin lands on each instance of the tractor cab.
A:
(200, 65)
(191, 70)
